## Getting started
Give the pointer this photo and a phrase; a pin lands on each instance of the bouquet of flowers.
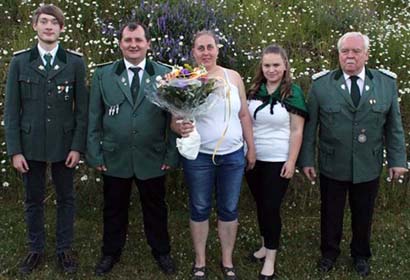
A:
(187, 92)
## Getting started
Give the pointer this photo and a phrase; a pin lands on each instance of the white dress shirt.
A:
(129, 65)
(42, 52)
(360, 81)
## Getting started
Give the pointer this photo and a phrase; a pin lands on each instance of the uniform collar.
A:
(61, 54)
(42, 52)
(339, 73)
(149, 68)
(361, 75)
(130, 65)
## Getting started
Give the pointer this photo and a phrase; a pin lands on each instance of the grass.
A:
(309, 31)
(296, 260)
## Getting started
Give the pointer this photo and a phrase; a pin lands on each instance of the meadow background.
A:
(309, 31)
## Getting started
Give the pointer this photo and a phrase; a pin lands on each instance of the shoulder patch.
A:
(388, 73)
(164, 64)
(103, 64)
(21, 51)
(74, 52)
(320, 74)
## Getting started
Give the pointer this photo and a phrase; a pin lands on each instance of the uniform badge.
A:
(362, 138)
(60, 89)
(124, 81)
(114, 110)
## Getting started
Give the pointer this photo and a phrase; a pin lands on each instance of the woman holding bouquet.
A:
(223, 172)
(278, 113)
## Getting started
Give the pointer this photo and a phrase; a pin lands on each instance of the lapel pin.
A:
(343, 87)
(367, 88)
(41, 67)
(56, 67)
(123, 80)
(371, 101)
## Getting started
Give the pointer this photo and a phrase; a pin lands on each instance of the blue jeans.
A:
(34, 183)
(203, 176)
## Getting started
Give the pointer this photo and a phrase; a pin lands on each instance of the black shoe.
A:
(30, 262)
(195, 273)
(228, 272)
(325, 265)
(166, 264)
(106, 264)
(67, 262)
(252, 258)
(361, 266)
(267, 277)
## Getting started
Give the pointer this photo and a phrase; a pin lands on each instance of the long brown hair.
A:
(259, 78)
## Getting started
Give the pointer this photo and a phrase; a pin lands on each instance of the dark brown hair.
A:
(132, 26)
(49, 9)
(259, 78)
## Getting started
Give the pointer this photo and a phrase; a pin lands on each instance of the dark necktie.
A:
(135, 84)
(355, 91)
(47, 58)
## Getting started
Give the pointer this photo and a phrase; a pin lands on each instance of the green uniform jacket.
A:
(46, 113)
(130, 140)
(351, 140)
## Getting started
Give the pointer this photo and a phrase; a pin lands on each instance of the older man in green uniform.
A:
(45, 121)
(129, 140)
(357, 112)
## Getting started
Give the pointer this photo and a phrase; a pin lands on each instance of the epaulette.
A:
(21, 51)
(388, 73)
(320, 74)
(74, 52)
(103, 64)
(164, 64)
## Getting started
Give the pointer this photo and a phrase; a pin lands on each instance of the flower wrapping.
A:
(187, 92)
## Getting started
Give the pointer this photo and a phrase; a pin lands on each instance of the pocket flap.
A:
(379, 108)
(332, 108)
(28, 79)
(66, 81)
(109, 146)
(326, 149)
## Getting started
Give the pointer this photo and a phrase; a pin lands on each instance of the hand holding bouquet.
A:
(187, 92)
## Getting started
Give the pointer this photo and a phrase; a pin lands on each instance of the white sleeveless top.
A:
(212, 124)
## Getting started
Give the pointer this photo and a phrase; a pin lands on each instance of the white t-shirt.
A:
(212, 124)
(271, 132)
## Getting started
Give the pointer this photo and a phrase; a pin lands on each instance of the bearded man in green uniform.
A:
(45, 122)
(129, 140)
(357, 112)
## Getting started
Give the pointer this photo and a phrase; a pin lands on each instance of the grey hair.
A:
(365, 39)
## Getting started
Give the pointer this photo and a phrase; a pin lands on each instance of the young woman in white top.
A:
(202, 176)
(278, 113)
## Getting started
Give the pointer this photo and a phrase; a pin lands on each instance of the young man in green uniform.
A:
(129, 140)
(357, 112)
(46, 122)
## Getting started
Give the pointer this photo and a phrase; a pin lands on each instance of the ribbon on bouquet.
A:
(227, 118)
